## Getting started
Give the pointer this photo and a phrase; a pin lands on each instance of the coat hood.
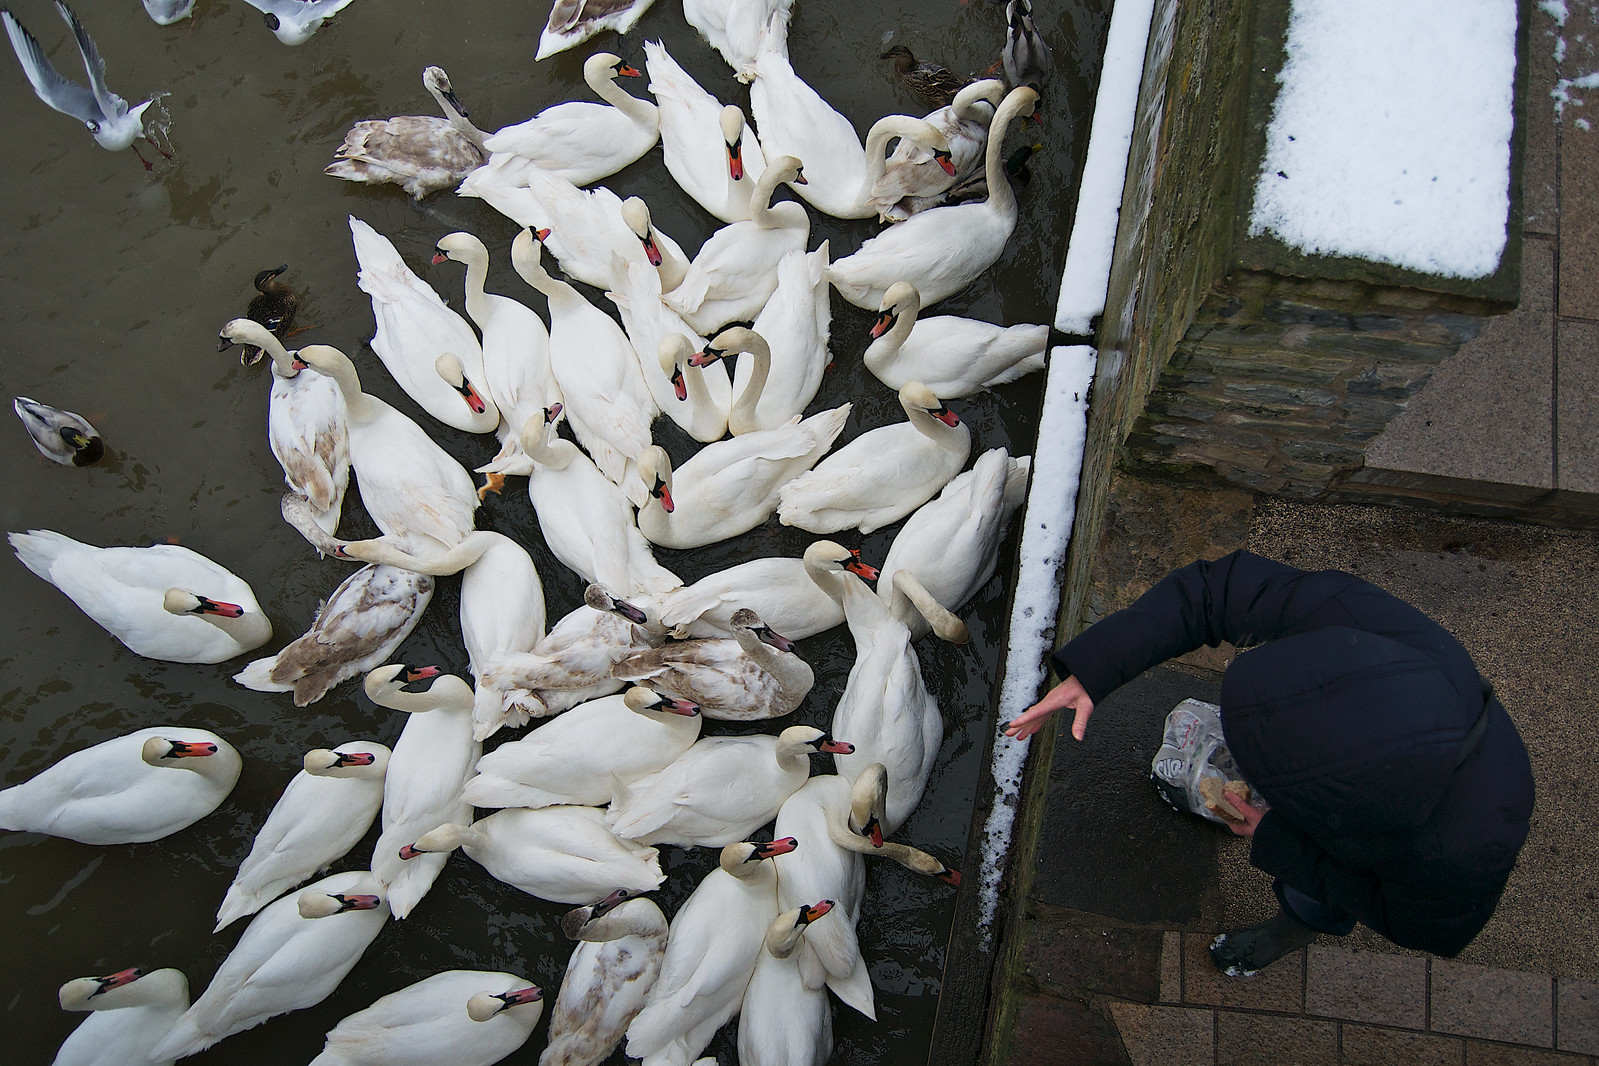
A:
(1347, 732)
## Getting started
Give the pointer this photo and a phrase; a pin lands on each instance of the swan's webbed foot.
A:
(491, 483)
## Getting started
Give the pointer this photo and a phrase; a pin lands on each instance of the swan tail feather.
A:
(258, 676)
(39, 548)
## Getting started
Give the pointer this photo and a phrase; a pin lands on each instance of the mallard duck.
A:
(930, 82)
(60, 435)
(273, 306)
(419, 153)
(1026, 56)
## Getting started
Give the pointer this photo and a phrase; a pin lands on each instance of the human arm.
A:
(1069, 693)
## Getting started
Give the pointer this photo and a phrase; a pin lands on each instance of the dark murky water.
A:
(114, 283)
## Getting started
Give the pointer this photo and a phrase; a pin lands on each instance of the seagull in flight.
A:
(294, 21)
(106, 114)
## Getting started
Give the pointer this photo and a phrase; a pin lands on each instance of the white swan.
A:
(291, 956)
(142, 786)
(586, 521)
(948, 549)
(419, 153)
(584, 142)
(708, 149)
(324, 811)
(663, 253)
(862, 830)
(783, 1021)
(654, 329)
(735, 271)
(131, 1011)
(588, 233)
(621, 942)
(572, 22)
(163, 602)
(463, 1017)
(572, 664)
(516, 346)
(753, 676)
(719, 791)
(735, 28)
(787, 348)
(563, 854)
(572, 758)
(502, 602)
(305, 424)
(953, 356)
(913, 179)
(415, 327)
(730, 487)
(608, 404)
(885, 473)
(412, 488)
(886, 703)
(430, 764)
(691, 389)
(792, 593)
(829, 867)
(795, 120)
(356, 628)
(943, 250)
(711, 951)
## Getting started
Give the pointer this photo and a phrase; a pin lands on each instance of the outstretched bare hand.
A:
(1069, 693)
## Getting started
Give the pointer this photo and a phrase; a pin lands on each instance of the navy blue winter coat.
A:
(1399, 788)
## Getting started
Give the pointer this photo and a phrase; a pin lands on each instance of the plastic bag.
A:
(1192, 748)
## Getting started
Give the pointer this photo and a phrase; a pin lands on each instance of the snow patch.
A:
(1046, 531)
(1086, 276)
(1390, 138)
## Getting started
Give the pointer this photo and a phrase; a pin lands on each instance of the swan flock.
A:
(581, 758)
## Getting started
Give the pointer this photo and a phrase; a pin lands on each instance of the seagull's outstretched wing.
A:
(65, 96)
(111, 105)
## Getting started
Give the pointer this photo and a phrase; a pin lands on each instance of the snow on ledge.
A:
(1046, 529)
(1086, 276)
(1390, 139)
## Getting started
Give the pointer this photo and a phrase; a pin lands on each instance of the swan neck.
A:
(251, 629)
(1001, 197)
(357, 404)
(761, 208)
(477, 301)
(458, 558)
(741, 418)
(607, 89)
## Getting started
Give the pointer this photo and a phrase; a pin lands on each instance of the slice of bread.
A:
(1211, 789)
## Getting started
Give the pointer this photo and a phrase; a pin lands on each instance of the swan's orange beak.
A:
(946, 162)
(949, 877)
(625, 71)
(884, 323)
(679, 385)
(858, 568)
(439, 257)
(219, 608)
(354, 758)
(664, 494)
(946, 416)
(409, 852)
(735, 160)
(542, 234)
(780, 846)
(186, 749)
(651, 252)
(116, 980)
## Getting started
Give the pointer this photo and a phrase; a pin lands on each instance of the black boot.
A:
(1245, 952)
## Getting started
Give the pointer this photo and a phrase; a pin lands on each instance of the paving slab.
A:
(1539, 174)
(1579, 172)
(1273, 1040)
(1116, 849)
(1481, 1053)
(1577, 1016)
(1484, 415)
(1492, 1004)
(1577, 407)
(1166, 1036)
(1361, 986)
(1365, 1045)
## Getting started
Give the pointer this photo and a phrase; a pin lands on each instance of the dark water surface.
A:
(113, 284)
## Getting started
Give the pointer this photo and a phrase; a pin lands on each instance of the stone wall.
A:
(1232, 358)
